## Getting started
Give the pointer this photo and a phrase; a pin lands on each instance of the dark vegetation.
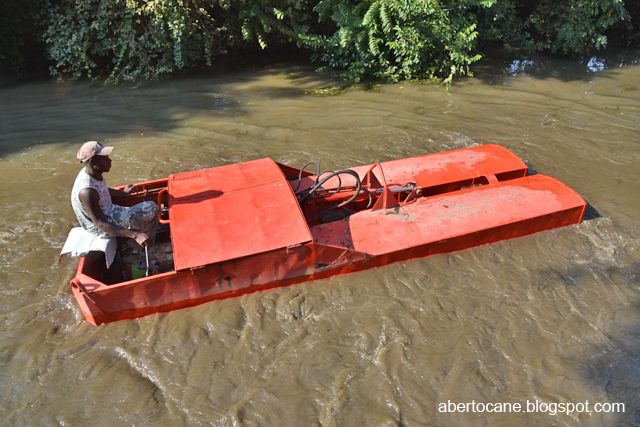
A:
(388, 40)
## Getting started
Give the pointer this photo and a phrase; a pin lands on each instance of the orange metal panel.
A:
(232, 211)
(439, 172)
(462, 213)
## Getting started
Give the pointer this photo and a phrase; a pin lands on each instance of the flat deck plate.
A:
(232, 211)
(527, 201)
(432, 170)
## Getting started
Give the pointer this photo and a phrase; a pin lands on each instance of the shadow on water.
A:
(500, 68)
(162, 106)
(141, 110)
(46, 111)
(591, 213)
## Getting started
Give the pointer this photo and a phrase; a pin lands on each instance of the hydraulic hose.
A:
(302, 170)
(313, 189)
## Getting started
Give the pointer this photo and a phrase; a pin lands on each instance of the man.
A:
(91, 201)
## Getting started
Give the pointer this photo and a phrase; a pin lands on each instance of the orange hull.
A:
(259, 225)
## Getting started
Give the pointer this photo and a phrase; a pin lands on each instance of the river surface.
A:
(550, 322)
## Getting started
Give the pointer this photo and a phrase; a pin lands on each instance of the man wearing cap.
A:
(91, 201)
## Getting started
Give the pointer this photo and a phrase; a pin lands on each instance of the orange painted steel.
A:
(254, 226)
(232, 211)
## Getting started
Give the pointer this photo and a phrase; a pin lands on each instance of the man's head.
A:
(92, 148)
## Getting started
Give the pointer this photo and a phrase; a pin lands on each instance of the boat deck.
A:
(504, 209)
(232, 211)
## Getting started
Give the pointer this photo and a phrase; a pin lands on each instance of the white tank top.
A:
(84, 180)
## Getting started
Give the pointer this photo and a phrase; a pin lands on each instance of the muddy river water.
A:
(541, 330)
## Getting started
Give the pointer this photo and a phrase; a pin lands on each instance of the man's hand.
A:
(124, 192)
(143, 239)
(130, 188)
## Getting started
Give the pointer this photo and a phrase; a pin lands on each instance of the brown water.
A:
(551, 318)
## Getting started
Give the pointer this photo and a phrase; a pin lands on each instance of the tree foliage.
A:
(133, 38)
(398, 39)
(384, 39)
(280, 20)
(572, 27)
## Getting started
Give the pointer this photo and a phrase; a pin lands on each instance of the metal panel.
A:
(232, 211)
(536, 203)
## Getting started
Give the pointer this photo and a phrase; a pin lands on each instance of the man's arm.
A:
(91, 201)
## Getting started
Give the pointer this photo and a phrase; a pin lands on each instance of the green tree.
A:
(573, 27)
(399, 39)
(129, 39)
(384, 39)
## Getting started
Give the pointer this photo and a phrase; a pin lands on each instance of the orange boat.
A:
(259, 225)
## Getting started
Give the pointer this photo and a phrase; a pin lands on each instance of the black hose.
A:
(301, 170)
(319, 183)
(335, 190)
